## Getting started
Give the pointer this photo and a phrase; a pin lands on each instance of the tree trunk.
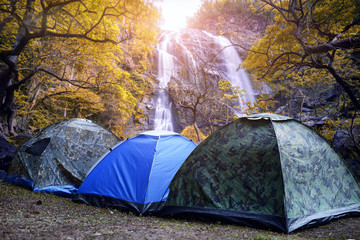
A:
(197, 132)
(346, 87)
(195, 125)
(9, 74)
(7, 106)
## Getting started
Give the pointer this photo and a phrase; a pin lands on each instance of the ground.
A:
(28, 215)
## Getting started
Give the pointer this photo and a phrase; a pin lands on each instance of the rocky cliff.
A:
(201, 64)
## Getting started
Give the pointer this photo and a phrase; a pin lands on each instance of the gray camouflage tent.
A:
(264, 170)
(57, 159)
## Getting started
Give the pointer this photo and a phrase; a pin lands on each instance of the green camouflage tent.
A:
(57, 159)
(264, 170)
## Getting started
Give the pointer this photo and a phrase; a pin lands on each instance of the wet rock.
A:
(347, 146)
(195, 86)
(316, 121)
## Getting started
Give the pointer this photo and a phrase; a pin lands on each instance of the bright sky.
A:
(175, 13)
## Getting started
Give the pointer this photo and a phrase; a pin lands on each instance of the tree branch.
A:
(345, 86)
(281, 10)
(72, 82)
(9, 18)
(348, 43)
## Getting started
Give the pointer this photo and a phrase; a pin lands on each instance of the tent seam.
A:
(151, 169)
(282, 172)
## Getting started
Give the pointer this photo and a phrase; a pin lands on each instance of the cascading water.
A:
(190, 45)
(163, 117)
(235, 73)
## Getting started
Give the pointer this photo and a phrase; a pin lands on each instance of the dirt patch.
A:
(28, 215)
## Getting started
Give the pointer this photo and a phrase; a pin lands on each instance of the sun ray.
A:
(176, 12)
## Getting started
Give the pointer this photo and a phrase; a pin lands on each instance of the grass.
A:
(28, 215)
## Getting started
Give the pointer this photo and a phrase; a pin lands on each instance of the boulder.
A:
(346, 146)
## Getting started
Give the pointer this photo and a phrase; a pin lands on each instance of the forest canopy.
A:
(312, 46)
(309, 35)
(73, 58)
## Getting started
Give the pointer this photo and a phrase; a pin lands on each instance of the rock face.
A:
(240, 30)
(303, 104)
(199, 52)
(199, 61)
(345, 144)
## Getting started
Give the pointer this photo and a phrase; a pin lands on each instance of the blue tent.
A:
(136, 174)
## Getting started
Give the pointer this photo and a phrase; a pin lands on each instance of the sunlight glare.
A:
(175, 13)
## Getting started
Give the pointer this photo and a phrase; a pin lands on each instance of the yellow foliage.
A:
(88, 62)
(280, 37)
(331, 126)
(190, 133)
(280, 57)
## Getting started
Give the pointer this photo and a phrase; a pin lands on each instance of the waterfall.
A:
(189, 48)
(234, 72)
(163, 117)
